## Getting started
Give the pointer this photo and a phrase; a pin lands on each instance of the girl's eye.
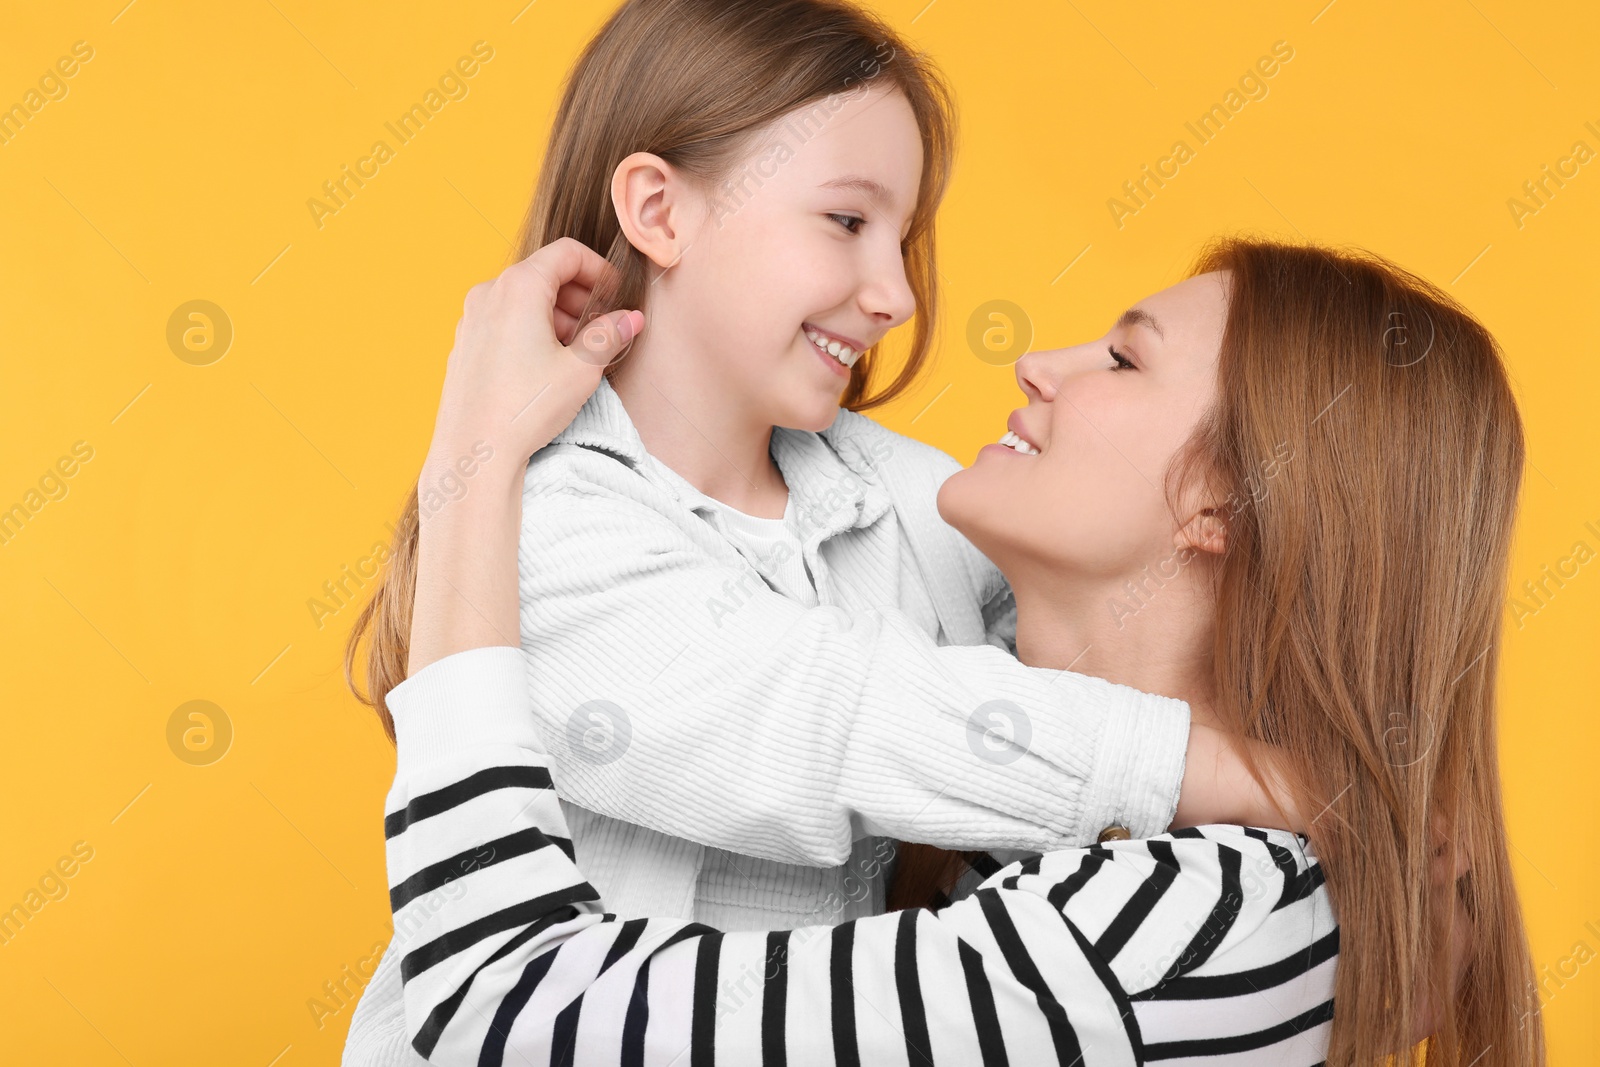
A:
(845, 220)
(1121, 360)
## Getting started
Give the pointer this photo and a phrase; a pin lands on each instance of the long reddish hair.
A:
(1358, 613)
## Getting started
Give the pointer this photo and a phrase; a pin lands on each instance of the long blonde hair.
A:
(694, 81)
(1366, 430)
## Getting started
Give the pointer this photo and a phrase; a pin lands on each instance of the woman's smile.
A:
(1016, 440)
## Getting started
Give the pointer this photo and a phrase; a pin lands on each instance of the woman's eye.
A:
(845, 220)
(1121, 360)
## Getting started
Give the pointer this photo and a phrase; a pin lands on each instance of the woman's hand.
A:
(1451, 862)
(522, 366)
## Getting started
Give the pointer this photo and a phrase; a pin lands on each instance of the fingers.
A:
(601, 341)
(564, 261)
(573, 298)
(566, 325)
(1451, 857)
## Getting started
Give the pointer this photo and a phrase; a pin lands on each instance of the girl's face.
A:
(804, 239)
(1106, 419)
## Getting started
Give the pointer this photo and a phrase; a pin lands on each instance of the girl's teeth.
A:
(843, 353)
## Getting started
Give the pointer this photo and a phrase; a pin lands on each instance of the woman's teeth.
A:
(1011, 440)
(843, 353)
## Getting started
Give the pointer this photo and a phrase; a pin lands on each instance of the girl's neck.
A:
(697, 430)
(1157, 640)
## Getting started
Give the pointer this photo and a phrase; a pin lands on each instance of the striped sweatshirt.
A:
(1216, 944)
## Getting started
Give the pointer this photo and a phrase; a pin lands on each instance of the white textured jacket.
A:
(726, 755)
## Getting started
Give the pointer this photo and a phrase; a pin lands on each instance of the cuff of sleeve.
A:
(1138, 764)
(463, 701)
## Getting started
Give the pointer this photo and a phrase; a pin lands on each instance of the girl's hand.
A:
(523, 364)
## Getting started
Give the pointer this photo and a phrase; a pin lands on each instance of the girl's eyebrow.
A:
(872, 189)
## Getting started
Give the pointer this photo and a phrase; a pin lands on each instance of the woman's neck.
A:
(1157, 639)
(698, 431)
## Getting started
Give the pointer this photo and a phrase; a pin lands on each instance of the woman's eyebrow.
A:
(1141, 317)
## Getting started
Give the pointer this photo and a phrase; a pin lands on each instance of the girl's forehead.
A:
(865, 143)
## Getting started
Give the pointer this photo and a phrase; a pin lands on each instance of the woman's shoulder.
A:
(1238, 896)
(1212, 938)
(1205, 856)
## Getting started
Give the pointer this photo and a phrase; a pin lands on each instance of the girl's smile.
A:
(840, 354)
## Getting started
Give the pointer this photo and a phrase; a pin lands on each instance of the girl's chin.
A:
(815, 417)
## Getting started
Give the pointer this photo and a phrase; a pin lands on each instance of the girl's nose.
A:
(887, 295)
(1039, 372)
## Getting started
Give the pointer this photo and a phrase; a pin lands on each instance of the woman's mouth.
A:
(1017, 444)
(837, 352)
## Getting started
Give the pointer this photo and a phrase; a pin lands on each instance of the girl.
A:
(757, 652)
(1342, 605)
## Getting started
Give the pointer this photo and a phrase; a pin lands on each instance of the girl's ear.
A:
(648, 196)
(1206, 531)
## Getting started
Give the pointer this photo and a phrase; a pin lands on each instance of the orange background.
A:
(176, 562)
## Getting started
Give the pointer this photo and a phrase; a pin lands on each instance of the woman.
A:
(1231, 435)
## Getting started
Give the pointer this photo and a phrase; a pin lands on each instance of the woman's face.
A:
(805, 238)
(1091, 503)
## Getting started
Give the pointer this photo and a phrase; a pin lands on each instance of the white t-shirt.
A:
(775, 545)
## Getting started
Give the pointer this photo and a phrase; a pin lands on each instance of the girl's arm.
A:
(513, 957)
(786, 732)
(725, 713)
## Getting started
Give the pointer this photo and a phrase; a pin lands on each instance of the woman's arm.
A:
(513, 951)
(518, 372)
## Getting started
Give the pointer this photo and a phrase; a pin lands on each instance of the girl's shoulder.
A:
(911, 472)
(868, 446)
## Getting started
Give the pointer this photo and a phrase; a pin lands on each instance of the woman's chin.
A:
(956, 502)
(972, 504)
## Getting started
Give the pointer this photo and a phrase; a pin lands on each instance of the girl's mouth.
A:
(831, 348)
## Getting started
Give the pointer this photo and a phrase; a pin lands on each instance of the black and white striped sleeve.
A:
(510, 955)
